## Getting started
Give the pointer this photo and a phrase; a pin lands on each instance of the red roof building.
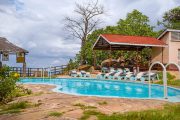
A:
(120, 42)
(165, 48)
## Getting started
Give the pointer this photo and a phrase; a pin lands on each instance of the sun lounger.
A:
(139, 76)
(128, 75)
(83, 73)
(100, 76)
(88, 74)
(73, 73)
(126, 70)
(119, 76)
(110, 75)
(79, 74)
(142, 76)
(153, 76)
(104, 75)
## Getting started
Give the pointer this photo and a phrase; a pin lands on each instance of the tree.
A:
(171, 19)
(87, 21)
(135, 24)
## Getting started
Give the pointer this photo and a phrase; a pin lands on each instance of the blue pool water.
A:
(105, 88)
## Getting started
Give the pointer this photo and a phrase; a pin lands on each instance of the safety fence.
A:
(39, 72)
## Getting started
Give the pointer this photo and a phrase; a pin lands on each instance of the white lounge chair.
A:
(128, 75)
(121, 75)
(139, 76)
(126, 70)
(153, 76)
(79, 74)
(118, 75)
(73, 73)
(100, 75)
(108, 75)
(88, 74)
(142, 76)
(83, 73)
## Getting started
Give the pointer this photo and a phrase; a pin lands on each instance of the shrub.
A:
(170, 80)
(102, 103)
(56, 114)
(7, 83)
(14, 107)
(18, 105)
(84, 107)
(21, 91)
(169, 76)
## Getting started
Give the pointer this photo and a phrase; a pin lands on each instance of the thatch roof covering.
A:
(6, 46)
(109, 62)
(84, 67)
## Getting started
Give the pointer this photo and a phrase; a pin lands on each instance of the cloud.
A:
(38, 26)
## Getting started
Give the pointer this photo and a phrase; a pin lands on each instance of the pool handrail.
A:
(164, 78)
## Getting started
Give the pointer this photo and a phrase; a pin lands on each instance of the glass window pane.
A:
(175, 36)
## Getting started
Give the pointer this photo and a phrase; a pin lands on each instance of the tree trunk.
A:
(83, 51)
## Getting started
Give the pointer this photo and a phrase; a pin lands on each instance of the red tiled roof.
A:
(132, 40)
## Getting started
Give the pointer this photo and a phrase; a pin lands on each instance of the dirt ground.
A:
(52, 101)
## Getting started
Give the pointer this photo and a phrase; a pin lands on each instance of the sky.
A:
(38, 25)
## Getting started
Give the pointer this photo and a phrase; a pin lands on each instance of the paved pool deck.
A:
(52, 101)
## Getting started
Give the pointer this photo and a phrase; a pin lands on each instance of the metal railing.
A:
(40, 72)
(164, 67)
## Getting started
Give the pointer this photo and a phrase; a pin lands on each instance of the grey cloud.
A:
(6, 2)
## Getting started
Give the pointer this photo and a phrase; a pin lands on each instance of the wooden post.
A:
(162, 55)
(0, 61)
(137, 68)
(94, 56)
(110, 55)
(110, 52)
(24, 69)
(24, 66)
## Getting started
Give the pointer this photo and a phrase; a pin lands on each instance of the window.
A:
(175, 36)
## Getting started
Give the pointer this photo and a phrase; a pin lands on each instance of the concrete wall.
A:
(158, 55)
(169, 54)
(174, 46)
(175, 73)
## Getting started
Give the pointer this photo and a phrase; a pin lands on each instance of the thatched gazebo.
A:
(7, 48)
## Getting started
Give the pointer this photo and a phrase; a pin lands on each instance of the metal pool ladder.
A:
(164, 76)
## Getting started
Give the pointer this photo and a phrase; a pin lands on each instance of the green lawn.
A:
(171, 80)
(14, 107)
(55, 114)
(174, 83)
(170, 112)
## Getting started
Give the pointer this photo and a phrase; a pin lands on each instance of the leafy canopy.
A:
(135, 23)
(171, 18)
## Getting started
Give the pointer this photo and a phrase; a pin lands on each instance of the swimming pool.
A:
(105, 88)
